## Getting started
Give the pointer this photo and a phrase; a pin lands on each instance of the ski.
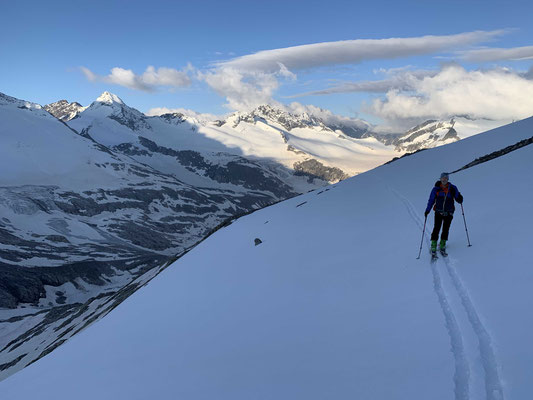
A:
(443, 253)
(434, 256)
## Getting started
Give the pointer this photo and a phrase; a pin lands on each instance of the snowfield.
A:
(333, 304)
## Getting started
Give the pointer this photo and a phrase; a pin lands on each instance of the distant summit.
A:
(429, 134)
(291, 120)
(109, 98)
(111, 106)
(64, 110)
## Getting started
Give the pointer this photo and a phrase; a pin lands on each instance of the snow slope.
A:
(81, 223)
(39, 149)
(332, 303)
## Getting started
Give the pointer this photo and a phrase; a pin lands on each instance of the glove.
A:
(460, 199)
(426, 213)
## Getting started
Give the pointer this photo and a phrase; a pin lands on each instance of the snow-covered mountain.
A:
(309, 143)
(427, 135)
(284, 118)
(434, 133)
(82, 224)
(326, 298)
(64, 110)
(93, 209)
(51, 168)
(94, 203)
(324, 125)
(191, 148)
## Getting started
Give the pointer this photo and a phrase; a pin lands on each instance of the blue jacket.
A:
(442, 200)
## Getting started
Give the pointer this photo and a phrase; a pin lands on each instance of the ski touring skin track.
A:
(466, 358)
(493, 385)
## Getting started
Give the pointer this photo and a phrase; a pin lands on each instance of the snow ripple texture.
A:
(493, 385)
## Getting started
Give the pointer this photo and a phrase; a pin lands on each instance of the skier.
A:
(442, 200)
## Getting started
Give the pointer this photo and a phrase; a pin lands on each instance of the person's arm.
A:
(431, 201)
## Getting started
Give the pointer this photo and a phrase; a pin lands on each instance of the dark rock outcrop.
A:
(314, 169)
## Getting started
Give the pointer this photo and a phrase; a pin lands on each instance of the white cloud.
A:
(244, 90)
(251, 80)
(149, 81)
(165, 77)
(401, 81)
(496, 94)
(89, 74)
(497, 54)
(354, 51)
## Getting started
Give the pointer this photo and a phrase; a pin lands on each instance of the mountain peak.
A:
(64, 110)
(111, 106)
(109, 98)
(428, 134)
(280, 116)
(65, 103)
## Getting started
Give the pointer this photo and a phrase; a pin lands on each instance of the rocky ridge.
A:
(429, 134)
(64, 110)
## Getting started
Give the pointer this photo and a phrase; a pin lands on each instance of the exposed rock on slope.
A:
(64, 110)
(427, 135)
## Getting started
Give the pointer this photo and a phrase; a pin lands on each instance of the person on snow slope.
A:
(442, 198)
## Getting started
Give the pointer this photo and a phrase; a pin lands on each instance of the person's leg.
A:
(446, 228)
(436, 226)
(436, 229)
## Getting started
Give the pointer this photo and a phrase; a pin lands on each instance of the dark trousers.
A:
(439, 219)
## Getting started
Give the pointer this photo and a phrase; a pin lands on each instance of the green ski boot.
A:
(443, 248)
(433, 250)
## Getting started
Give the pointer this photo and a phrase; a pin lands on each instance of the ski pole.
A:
(466, 229)
(422, 240)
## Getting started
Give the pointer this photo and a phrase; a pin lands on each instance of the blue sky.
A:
(44, 44)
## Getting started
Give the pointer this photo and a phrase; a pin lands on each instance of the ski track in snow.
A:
(462, 370)
(493, 385)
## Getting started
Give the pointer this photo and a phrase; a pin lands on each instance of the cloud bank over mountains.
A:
(243, 89)
(149, 81)
(403, 96)
(397, 79)
(481, 94)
